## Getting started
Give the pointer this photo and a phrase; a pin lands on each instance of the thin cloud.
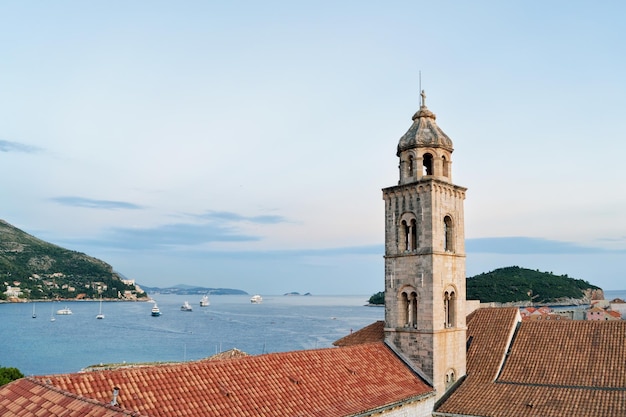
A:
(95, 204)
(529, 246)
(6, 146)
(235, 217)
(167, 237)
(210, 227)
(182, 235)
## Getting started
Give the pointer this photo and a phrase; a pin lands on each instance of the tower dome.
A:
(424, 132)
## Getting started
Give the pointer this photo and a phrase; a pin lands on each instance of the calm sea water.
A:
(128, 332)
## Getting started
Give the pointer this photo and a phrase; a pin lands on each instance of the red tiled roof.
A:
(575, 353)
(29, 397)
(323, 382)
(615, 314)
(375, 332)
(579, 369)
(488, 333)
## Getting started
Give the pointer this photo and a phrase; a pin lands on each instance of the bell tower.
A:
(425, 255)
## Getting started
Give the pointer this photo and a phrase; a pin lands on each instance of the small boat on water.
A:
(186, 307)
(155, 311)
(256, 299)
(204, 301)
(34, 314)
(100, 315)
(64, 311)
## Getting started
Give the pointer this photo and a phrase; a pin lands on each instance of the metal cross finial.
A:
(423, 94)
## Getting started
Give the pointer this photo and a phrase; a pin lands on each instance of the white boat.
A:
(100, 315)
(64, 311)
(256, 299)
(186, 306)
(34, 314)
(155, 311)
(204, 302)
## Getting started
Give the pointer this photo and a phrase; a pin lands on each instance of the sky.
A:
(245, 144)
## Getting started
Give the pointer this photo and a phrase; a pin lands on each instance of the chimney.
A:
(116, 391)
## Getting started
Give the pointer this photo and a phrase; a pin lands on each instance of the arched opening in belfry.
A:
(408, 308)
(445, 167)
(449, 305)
(404, 307)
(408, 233)
(404, 235)
(411, 163)
(427, 161)
(448, 234)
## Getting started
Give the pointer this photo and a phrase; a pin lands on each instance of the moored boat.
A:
(100, 315)
(256, 299)
(204, 301)
(64, 311)
(155, 311)
(186, 307)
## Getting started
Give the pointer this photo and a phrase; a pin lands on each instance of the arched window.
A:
(407, 233)
(413, 310)
(411, 166)
(404, 236)
(446, 167)
(450, 378)
(448, 236)
(427, 164)
(449, 306)
(404, 308)
(408, 308)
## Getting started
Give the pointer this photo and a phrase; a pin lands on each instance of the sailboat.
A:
(100, 315)
(34, 314)
(51, 315)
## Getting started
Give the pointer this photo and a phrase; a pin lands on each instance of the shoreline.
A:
(65, 300)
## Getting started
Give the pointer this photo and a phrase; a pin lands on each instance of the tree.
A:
(378, 298)
(9, 374)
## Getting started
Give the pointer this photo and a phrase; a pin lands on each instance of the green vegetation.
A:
(35, 269)
(9, 374)
(513, 283)
(378, 298)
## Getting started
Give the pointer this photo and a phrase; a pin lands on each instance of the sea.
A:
(129, 334)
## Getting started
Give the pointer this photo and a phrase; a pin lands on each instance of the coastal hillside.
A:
(31, 268)
(183, 289)
(520, 285)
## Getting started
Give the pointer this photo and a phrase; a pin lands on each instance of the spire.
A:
(424, 132)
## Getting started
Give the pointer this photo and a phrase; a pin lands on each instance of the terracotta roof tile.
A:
(489, 331)
(30, 397)
(575, 353)
(375, 332)
(553, 369)
(323, 382)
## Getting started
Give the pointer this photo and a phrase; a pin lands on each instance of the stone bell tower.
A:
(425, 255)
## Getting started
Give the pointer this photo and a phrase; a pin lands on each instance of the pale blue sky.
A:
(245, 144)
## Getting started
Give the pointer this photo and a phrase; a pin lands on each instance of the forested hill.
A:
(515, 284)
(35, 269)
(520, 285)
